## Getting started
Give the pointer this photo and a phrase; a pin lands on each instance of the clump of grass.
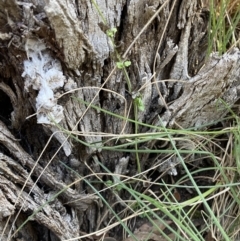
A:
(218, 220)
(224, 25)
(226, 206)
(224, 35)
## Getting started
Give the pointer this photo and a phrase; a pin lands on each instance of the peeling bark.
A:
(200, 103)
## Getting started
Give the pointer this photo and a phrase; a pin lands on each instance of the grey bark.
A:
(63, 44)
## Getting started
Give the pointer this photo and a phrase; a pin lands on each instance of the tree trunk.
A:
(54, 53)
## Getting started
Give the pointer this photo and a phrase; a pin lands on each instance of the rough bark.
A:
(51, 47)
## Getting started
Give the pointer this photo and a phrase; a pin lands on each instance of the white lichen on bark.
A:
(44, 74)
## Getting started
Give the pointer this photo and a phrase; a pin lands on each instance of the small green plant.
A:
(111, 32)
(139, 103)
(123, 64)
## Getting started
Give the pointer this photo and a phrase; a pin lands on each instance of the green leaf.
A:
(109, 183)
(111, 32)
(118, 188)
(127, 63)
(120, 65)
(139, 103)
